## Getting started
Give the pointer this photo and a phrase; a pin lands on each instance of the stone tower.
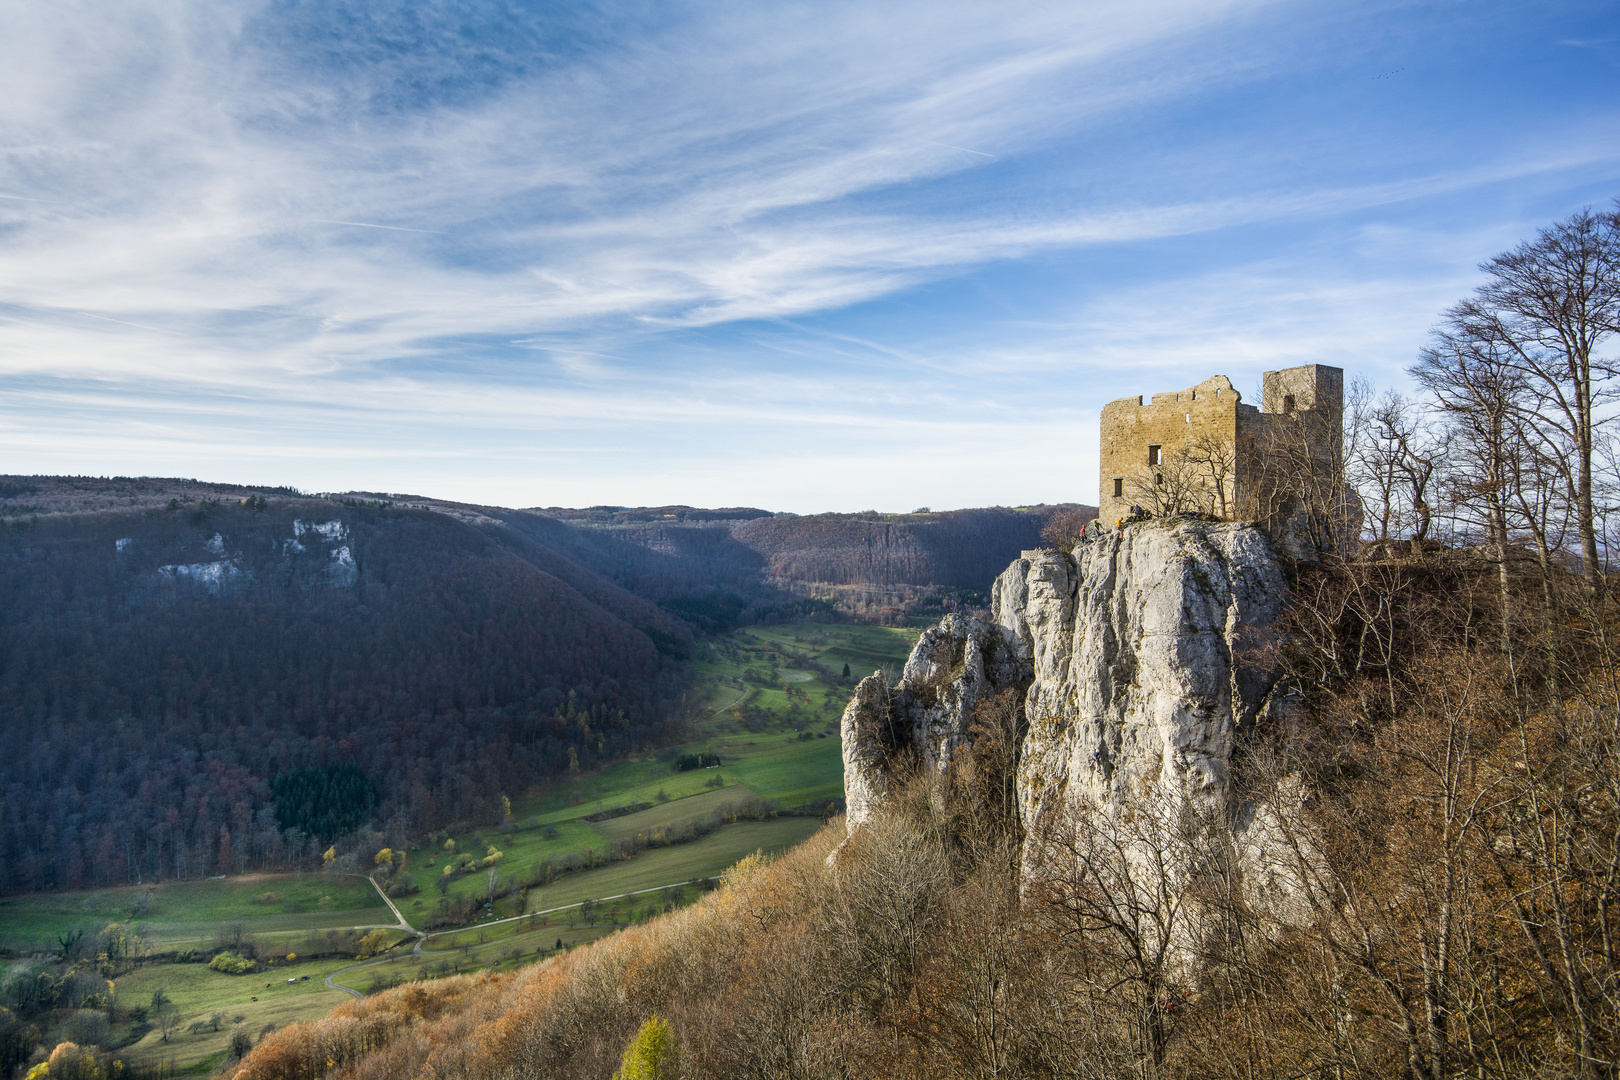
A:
(1203, 448)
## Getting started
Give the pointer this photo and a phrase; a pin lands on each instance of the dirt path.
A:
(531, 914)
(732, 705)
(401, 925)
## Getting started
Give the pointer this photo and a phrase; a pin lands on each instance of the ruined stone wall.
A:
(1302, 416)
(1173, 421)
(1298, 488)
(1314, 387)
(1275, 455)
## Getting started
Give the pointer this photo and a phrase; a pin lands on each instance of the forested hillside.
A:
(159, 667)
(169, 648)
(1435, 801)
(879, 567)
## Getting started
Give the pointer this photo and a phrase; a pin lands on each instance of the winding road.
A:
(421, 937)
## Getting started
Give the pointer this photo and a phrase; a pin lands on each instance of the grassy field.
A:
(794, 772)
(507, 944)
(705, 857)
(503, 953)
(649, 874)
(618, 785)
(793, 674)
(251, 1002)
(183, 914)
(247, 1003)
(663, 815)
(521, 849)
(864, 648)
(773, 697)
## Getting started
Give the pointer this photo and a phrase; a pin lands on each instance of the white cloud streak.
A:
(282, 251)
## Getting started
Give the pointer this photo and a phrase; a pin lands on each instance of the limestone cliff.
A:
(1140, 654)
(953, 667)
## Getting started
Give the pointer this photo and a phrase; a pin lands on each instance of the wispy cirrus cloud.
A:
(450, 229)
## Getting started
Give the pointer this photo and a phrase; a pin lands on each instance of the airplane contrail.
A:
(948, 146)
(136, 325)
(369, 225)
(22, 198)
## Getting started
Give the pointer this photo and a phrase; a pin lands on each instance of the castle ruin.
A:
(1202, 449)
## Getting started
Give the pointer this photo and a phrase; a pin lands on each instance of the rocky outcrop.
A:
(870, 748)
(1149, 658)
(928, 713)
(1141, 654)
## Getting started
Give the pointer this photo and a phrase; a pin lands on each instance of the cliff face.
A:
(1140, 655)
(954, 666)
(1147, 655)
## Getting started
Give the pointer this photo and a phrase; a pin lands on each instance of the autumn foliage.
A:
(1448, 824)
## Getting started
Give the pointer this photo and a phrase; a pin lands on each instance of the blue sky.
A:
(802, 256)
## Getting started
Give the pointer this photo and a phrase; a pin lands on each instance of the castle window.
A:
(1189, 418)
(1155, 455)
(1288, 403)
(1158, 480)
(1119, 487)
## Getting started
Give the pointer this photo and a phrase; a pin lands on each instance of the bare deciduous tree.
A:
(1175, 485)
(1548, 308)
(1392, 462)
(1113, 892)
(889, 881)
(1215, 461)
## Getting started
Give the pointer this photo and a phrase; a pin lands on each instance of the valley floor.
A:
(773, 696)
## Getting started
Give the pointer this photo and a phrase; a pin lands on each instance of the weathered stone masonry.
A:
(1142, 438)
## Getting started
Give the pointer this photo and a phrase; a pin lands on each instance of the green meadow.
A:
(708, 856)
(773, 696)
(666, 815)
(180, 915)
(245, 1003)
(504, 952)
